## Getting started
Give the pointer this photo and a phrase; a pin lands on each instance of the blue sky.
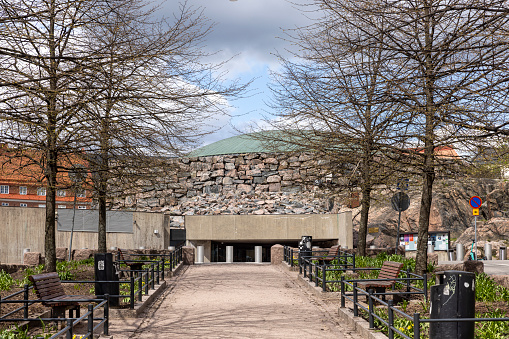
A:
(250, 30)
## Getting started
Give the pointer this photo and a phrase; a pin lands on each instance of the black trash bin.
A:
(454, 297)
(305, 246)
(105, 271)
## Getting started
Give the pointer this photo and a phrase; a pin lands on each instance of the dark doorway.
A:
(242, 252)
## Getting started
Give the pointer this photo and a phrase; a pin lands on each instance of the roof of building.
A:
(258, 142)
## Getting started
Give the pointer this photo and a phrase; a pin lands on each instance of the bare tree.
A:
(43, 57)
(332, 103)
(154, 94)
(448, 73)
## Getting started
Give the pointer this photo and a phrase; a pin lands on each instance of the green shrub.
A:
(6, 281)
(487, 289)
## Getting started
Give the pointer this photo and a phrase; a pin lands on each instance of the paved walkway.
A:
(235, 301)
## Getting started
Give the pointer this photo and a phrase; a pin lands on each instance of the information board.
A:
(440, 241)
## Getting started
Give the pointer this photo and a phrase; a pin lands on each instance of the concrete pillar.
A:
(502, 253)
(258, 254)
(200, 254)
(229, 254)
(487, 251)
(460, 252)
(277, 254)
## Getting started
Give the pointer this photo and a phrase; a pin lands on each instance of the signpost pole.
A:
(397, 233)
(475, 236)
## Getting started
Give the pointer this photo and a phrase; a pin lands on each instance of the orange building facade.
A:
(23, 185)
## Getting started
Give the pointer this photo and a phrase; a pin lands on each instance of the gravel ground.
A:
(235, 301)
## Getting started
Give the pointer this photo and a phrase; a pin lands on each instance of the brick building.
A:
(22, 184)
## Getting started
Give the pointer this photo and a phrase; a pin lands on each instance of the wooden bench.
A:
(333, 254)
(125, 259)
(48, 287)
(389, 270)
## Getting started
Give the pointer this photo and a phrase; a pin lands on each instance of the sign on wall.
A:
(88, 221)
(440, 241)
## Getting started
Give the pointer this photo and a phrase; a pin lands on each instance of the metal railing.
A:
(70, 322)
(316, 269)
(373, 298)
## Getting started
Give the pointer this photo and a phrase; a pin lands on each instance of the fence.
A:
(391, 311)
(70, 322)
(139, 285)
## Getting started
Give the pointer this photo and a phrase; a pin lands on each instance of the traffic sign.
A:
(475, 202)
(400, 201)
(475, 211)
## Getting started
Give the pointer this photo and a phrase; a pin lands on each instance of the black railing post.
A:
(425, 286)
(343, 291)
(417, 328)
(408, 280)
(291, 257)
(316, 275)
(157, 275)
(390, 312)
(107, 315)
(146, 281)
(355, 301)
(152, 280)
(25, 296)
(173, 254)
(353, 261)
(90, 325)
(324, 280)
(140, 287)
(69, 333)
(300, 263)
(131, 303)
(370, 310)
(162, 271)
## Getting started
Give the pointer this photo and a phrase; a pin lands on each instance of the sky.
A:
(251, 32)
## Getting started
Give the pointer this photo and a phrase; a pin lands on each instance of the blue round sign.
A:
(475, 202)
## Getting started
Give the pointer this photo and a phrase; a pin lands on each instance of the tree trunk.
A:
(363, 225)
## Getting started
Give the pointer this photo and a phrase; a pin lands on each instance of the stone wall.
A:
(253, 183)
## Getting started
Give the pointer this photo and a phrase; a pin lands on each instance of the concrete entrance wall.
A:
(24, 228)
(201, 230)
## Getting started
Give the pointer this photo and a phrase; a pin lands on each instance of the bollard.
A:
(171, 248)
(229, 254)
(460, 252)
(431, 248)
(200, 254)
(258, 254)
(487, 251)
(502, 254)
(450, 255)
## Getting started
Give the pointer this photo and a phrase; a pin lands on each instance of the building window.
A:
(22, 205)
(23, 190)
(41, 191)
(81, 193)
(5, 204)
(62, 206)
(42, 205)
(61, 193)
(4, 189)
(82, 207)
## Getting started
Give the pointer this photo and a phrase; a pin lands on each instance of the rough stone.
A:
(32, 258)
(83, 254)
(277, 254)
(62, 253)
